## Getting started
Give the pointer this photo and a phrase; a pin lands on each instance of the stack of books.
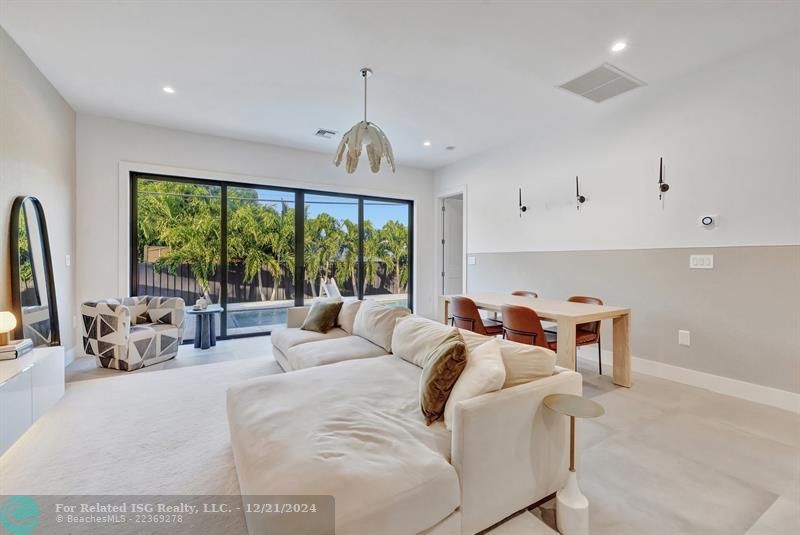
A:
(15, 349)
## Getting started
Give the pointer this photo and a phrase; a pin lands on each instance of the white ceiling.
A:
(469, 74)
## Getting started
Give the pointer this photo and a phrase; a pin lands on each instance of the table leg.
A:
(198, 328)
(566, 345)
(205, 332)
(213, 320)
(622, 350)
(444, 306)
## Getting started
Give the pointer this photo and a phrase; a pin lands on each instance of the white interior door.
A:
(453, 246)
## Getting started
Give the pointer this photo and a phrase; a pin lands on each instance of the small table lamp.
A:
(572, 507)
(8, 322)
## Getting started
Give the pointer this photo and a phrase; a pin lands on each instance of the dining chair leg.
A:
(600, 355)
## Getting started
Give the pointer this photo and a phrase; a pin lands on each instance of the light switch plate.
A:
(68, 260)
(471, 260)
(684, 338)
(701, 261)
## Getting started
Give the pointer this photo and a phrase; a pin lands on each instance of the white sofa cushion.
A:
(331, 351)
(353, 430)
(347, 315)
(523, 363)
(484, 373)
(415, 337)
(288, 337)
(375, 322)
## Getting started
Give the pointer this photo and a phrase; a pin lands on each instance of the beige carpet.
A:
(665, 459)
(153, 433)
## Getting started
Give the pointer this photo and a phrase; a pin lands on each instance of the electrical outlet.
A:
(684, 338)
(68, 260)
(701, 261)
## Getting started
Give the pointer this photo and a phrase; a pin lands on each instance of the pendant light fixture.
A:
(364, 133)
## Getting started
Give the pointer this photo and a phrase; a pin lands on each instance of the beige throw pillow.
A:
(322, 316)
(415, 337)
(442, 368)
(523, 363)
(375, 322)
(347, 316)
(484, 373)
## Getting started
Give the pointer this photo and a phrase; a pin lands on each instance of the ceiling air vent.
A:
(602, 83)
(327, 134)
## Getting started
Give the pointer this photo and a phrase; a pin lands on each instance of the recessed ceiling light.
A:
(450, 147)
(426, 143)
(619, 46)
(168, 89)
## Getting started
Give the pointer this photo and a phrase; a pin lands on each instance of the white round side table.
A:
(572, 507)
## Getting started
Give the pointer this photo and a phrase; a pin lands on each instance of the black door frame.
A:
(299, 236)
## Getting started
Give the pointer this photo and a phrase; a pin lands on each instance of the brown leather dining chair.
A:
(587, 333)
(524, 293)
(522, 324)
(465, 315)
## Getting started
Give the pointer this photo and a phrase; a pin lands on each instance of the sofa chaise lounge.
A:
(352, 428)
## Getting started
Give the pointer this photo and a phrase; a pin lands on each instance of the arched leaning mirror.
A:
(33, 292)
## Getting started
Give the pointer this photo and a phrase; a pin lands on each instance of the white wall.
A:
(730, 139)
(37, 157)
(106, 148)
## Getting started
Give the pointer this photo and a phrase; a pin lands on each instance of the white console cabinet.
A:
(29, 386)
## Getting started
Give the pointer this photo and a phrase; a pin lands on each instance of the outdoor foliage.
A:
(185, 218)
(25, 265)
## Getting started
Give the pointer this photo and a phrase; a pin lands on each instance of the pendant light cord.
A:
(364, 74)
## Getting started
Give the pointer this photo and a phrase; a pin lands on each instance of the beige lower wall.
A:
(37, 157)
(743, 315)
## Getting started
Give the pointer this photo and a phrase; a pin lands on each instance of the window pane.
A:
(386, 252)
(331, 245)
(260, 259)
(178, 241)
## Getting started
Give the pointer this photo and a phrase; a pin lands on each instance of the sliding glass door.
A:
(330, 248)
(176, 240)
(387, 251)
(258, 251)
(260, 258)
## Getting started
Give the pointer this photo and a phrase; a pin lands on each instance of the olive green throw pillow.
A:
(322, 316)
(440, 371)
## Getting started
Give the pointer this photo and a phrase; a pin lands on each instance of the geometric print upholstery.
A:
(166, 310)
(120, 334)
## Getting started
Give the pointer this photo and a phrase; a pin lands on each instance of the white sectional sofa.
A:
(295, 349)
(352, 428)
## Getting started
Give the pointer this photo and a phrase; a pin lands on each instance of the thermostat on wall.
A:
(708, 221)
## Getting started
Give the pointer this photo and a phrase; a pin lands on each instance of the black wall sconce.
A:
(578, 197)
(522, 207)
(663, 187)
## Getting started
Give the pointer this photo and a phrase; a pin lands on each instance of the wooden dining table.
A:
(568, 316)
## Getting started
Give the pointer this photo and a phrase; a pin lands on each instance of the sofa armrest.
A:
(296, 316)
(510, 450)
(96, 323)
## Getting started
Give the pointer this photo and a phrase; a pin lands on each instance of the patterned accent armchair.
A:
(132, 332)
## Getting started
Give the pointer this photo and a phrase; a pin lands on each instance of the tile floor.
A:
(666, 458)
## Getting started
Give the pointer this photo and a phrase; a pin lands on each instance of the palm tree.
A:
(349, 259)
(395, 239)
(247, 241)
(323, 247)
(185, 218)
(280, 237)
(374, 252)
